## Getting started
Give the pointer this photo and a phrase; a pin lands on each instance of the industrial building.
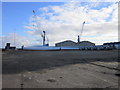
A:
(70, 43)
(8, 47)
(115, 45)
(85, 43)
(66, 43)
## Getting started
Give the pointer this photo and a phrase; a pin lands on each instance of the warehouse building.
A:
(65, 43)
(70, 43)
(115, 45)
(85, 43)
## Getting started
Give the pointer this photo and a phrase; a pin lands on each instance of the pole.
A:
(78, 38)
(43, 38)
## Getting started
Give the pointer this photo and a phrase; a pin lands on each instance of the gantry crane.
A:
(79, 36)
(43, 34)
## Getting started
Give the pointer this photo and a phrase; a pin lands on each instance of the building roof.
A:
(66, 41)
(85, 42)
(111, 43)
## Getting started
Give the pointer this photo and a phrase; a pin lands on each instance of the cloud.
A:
(14, 39)
(65, 21)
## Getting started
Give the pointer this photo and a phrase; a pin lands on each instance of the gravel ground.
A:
(60, 69)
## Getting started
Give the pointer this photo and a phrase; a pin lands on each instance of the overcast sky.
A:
(61, 21)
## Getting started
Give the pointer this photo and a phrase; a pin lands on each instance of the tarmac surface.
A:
(60, 69)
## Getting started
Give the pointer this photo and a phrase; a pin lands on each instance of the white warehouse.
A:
(70, 43)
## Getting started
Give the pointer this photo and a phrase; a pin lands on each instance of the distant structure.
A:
(70, 43)
(7, 47)
(115, 45)
(44, 36)
(79, 36)
(85, 43)
(65, 43)
(45, 39)
(22, 47)
(79, 43)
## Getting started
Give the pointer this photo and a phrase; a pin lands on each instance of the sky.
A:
(61, 21)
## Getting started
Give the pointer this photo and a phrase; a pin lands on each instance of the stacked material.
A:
(49, 48)
(97, 47)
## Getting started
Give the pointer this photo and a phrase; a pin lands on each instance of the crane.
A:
(79, 36)
(45, 38)
(43, 35)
